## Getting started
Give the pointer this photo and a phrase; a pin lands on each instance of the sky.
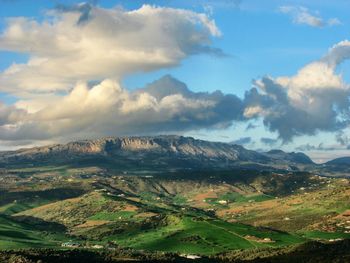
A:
(263, 74)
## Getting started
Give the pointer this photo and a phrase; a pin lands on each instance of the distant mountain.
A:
(152, 152)
(339, 161)
(294, 157)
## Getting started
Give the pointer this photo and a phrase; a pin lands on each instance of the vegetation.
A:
(221, 216)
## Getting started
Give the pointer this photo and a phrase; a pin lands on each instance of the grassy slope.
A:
(188, 235)
(310, 214)
(15, 235)
(185, 232)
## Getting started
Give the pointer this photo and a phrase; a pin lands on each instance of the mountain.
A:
(337, 167)
(153, 152)
(294, 157)
(339, 161)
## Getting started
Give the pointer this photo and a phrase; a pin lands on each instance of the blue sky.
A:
(258, 40)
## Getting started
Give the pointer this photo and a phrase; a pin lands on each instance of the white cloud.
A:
(75, 46)
(334, 22)
(253, 111)
(109, 44)
(107, 109)
(315, 99)
(70, 50)
(303, 16)
(10, 114)
(337, 54)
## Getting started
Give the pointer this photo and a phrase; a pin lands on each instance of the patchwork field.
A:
(206, 217)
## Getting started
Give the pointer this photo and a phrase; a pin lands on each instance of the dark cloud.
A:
(83, 8)
(342, 138)
(320, 147)
(243, 141)
(228, 108)
(269, 141)
(251, 126)
(281, 115)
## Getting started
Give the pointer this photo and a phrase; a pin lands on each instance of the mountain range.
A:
(164, 152)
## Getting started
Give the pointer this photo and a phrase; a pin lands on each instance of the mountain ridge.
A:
(168, 149)
(340, 161)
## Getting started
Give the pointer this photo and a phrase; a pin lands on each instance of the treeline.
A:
(91, 256)
(310, 252)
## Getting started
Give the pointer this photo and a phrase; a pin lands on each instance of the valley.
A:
(207, 212)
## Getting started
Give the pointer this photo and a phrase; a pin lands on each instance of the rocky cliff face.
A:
(118, 145)
(152, 149)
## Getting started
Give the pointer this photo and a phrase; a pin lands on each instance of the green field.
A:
(16, 207)
(195, 235)
(112, 216)
(325, 235)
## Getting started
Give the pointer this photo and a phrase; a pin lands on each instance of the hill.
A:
(293, 157)
(339, 161)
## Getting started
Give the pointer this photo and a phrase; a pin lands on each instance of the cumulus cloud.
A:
(302, 15)
(165, 105)
(315, 99)
(70, 87)
(10, 115)
(86, 42)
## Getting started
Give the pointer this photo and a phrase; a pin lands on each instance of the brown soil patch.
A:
(93, 223)
(202, 196)
(146, 215)
(260, 240)
(135, 199)
(346, 213)
(130, 208)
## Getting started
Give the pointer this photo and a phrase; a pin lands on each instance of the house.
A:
(97, 246)
(335, 240)
(189, 256)
(70, 244)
